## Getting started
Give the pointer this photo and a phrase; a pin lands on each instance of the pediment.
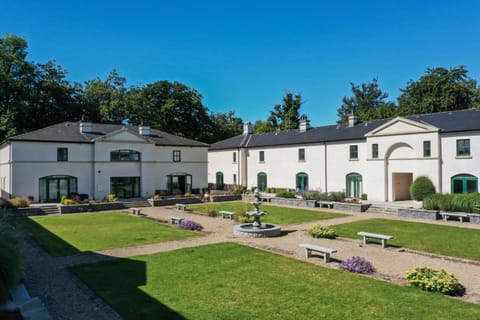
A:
(123, 135)
(401, 126)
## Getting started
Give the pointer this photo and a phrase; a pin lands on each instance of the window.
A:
(463, 147)
(426, 149)
(301, 154)
(177, 156)
(261, 156)
(464, 183)
(234, 157)
(234, 178)
(374, 150)
(353, 152)
(62, 154)
(124, 155)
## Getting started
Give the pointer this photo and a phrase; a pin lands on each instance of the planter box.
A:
(419, 213)
(294, 202)
(172, 201)
(229, 197)
(354, 207)
(474, 218)
(90, 207)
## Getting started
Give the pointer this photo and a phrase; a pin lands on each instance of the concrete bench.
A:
(227, 214)
(325, 204)
(325, 251)
(181, 206)
(175, 219)
(368, 235)
(136, 211)
(460, 215)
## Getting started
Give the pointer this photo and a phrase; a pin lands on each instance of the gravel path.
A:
(68, 298)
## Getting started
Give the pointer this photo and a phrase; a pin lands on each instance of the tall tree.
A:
(367, 102)
(263, 126)
(224, 125)
(286, 116)
(440, 89)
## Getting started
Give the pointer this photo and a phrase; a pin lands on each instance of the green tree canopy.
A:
(440, 89)
(367, 102)
(285, 116)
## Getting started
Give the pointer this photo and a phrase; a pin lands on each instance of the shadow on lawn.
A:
(117, 281)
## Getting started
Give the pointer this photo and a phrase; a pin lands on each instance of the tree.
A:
(224, 125)
(286, 116)
(263, 126)
(440, 89)
(368, 102)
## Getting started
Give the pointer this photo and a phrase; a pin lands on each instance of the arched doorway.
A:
(353, 185)
(262, 181)
(301, 182)
(398, 171)
(219, 180)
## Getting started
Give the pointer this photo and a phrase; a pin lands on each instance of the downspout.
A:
(10, 172)
(440, 170)
(326, 167)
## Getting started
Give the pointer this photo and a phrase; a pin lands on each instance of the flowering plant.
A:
(358, 265)
(319, 231)
(433, 280)
(190, 225)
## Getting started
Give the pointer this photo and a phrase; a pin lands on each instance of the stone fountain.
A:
(257, 228)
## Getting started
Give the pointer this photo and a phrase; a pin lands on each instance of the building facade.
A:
(98, 160)
(377, 158)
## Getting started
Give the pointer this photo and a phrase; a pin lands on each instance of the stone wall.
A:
(354, 207)
(418, 213)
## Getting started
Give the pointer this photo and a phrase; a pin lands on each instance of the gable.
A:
(123, 136)
(401, 126)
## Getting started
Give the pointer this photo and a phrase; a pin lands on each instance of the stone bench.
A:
(175, 219)
(136, 211)
(325, 251)
(460, 215)
(325, 204)
(227, 214)
(181, 206)
(368, 235)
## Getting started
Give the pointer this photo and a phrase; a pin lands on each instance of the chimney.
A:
(352, 120)
(85, 127)
(247, 128)
(144, 130)
(303, 124)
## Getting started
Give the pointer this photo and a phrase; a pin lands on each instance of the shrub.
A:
(452, 202)
(319, 231)
(433, 280)
(421, 188)
(189, 225)
(112, 198)
(241, 213)
(286, 194)
(187, 195)
(311, 195)
(237, 191)
(364, 196)
(66, 201)
(20, 202)
(11, 266)
(358, 265)
(336, 196)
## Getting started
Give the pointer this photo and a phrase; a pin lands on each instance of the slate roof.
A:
(70, 132)
(453, 121)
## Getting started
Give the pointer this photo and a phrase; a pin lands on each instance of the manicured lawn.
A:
(445, 240)
(231, 281)
(69, 234)
(275, 214)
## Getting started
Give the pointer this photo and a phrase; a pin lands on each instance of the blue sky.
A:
(244, 55)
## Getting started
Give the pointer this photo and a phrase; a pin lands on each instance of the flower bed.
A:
(354, 207)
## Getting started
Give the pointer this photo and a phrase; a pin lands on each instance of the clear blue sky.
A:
(243, 55)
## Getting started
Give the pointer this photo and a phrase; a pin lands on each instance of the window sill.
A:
(301, 161)
(463, 157)
(355, 159)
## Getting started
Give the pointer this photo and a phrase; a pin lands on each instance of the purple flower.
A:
(190, 225)
(358, 265)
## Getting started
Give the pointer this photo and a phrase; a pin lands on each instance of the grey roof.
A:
(70, 132)
(453, 121)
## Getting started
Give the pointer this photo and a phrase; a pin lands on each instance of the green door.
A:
(354, 185)
(302, 182)
(262, 181)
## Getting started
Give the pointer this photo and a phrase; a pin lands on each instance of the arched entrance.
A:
(301, 180)
(398, 171)
(262, 181)
(219, 180)
(354, 185)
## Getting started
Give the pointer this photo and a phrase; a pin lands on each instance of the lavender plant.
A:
(190, 225)
(358, 265)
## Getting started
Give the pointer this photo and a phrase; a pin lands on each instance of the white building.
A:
(379, 158)
(100, 159)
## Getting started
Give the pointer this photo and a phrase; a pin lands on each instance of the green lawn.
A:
(445, 240)
(231, 281)
(275, 214)
(70, 234)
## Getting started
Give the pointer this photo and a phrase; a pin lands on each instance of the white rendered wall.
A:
(222, 161)
(5, 172)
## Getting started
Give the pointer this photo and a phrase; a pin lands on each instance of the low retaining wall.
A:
(90, 207)
(294, 202)
(354, 207)
(418, 213)
(172, 201)
(229, 197)
(474, 218)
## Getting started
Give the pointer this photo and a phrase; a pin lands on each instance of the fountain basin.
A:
(266, 230)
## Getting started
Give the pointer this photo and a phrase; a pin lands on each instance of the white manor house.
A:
(379, 158)
(98, 160)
